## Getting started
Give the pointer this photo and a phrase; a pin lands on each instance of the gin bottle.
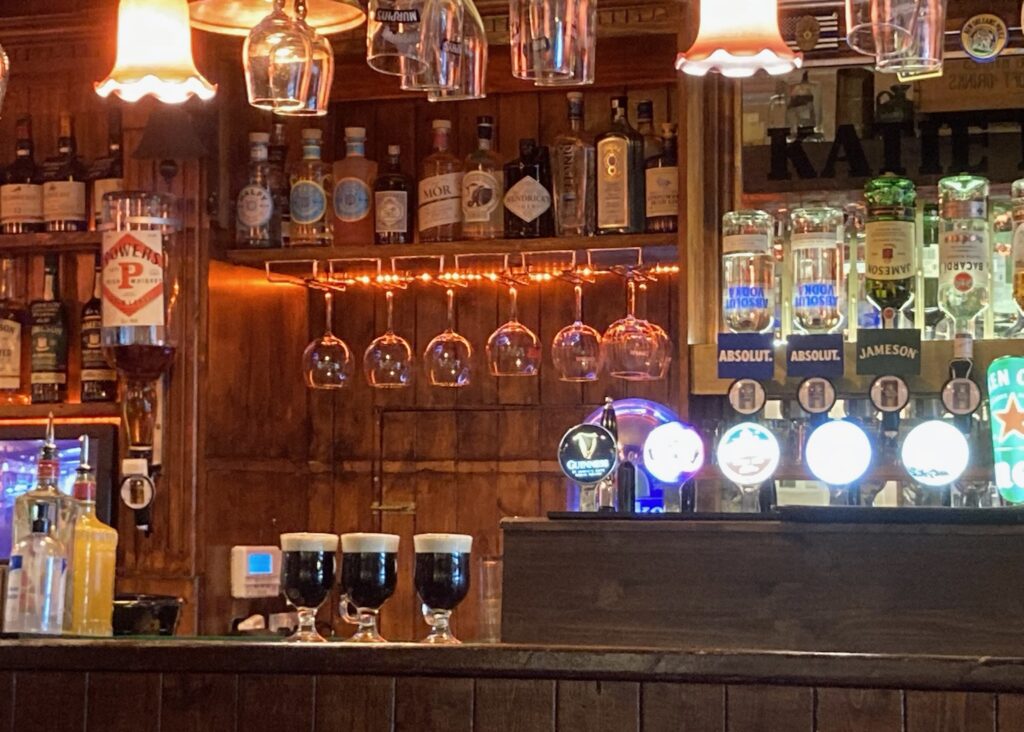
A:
(1017, 198)
(963, 255)
(310, 181)
(482, 211)
(353, 193)
(21, 195)
(572, 169)
(620, 175)
(61, 507)
(392, 204)
(661, 189)
(889, 245)
(528, 197)
(748, 272)
(1004, 310)
(277, 157)
(816, 254)
(645, 126)
(440, 189)
(257, 222)
(36, 582)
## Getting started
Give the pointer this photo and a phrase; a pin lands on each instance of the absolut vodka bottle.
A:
(748, 272)
(963, 255)
(889, 245)
(816, 255)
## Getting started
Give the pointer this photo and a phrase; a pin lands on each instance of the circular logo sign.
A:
(961, 396)
(816, 395)
(307, 202)
(935, 453)
(137, 491)
(807, 33)
(984, 36)
(748, 454)
(889, 393)
(838, 452)
(351, 200)
(963, 282)
(747, 396)
(588, 453)
(673, 452)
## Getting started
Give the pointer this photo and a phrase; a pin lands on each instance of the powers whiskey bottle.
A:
(889, 245)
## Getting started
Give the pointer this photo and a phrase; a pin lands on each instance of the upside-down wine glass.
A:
(513, 349)
(277, 56)
(388, 361)
(449, 356)
(321, 68)
(576, 349)
(659, 366)
(632, 348)
(327, 361)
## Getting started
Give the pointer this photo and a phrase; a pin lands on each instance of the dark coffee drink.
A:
(307, 568)
(369, 568)
(442, 569)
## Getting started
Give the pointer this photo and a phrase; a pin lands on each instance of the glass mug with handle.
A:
(307, 576)
(369, 573)
(441, 580)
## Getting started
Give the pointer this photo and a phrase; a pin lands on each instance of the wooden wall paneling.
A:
(400, 618)
(770, 709)
(123, 702)
(552, 494)
(514, 705)
(6, 700)
(851, 710)
(477, 315)
(1010, 716)
(433, 705)
(949, 711)
(35, 694)
(689, 707)
(198, 702)
(364, 703)
(266, 701)
(354, 425)
(604, 302)
(598, 706)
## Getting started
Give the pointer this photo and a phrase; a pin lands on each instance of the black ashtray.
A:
(146, 614)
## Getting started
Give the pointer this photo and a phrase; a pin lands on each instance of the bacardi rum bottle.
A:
(482, 189)
(816, 254)
(440, 189)
(890, 245)
(748, 272)
(572, 168)
(964, 253)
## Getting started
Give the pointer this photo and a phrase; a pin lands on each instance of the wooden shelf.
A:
(50, 243)
(61, 411)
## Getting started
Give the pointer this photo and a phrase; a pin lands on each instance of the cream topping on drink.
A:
(443, 543)
(369, 543)
(308, 542)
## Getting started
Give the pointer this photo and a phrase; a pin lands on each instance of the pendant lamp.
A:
(238, 17)
(738, 38)
(154, 54)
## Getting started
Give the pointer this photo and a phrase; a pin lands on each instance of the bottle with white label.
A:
(528, 211)
(49, 340)
(572, 174)
(308, 200)
(257, 220)
(890, 245)
(964, 253)
(35, 580)
(352, 200)
(661, 189)
(440, 189)
(482, 210)
(748, 272)
(14, 351)
(21, 195)
(64, 176)
(620, 175)
(392, 201)
(816, 256)
(106, 174)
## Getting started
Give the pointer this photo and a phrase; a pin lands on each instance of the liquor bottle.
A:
(14, 348)
(964, 253)
(62, 508)
(859, 312)
(353, 181)
(1017, 198)
(661, 185)
(816, 254)
(889, 245)
(21, 195)
(64, 183)
(106, 174)
(572, 172)
(482, 213)
(89, 604)
(36, 579)
(933, 315)
(49, 340)
(440, 190)
(748, 272)
(653, 144)
(257, 220)
(1005, 313)
(528, 212)
(620, 175)
(310, 180)
(277, 157)
(391, 205)
(99, 380)
(607, 494)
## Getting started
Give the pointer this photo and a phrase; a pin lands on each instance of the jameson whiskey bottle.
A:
(64, 183)
(964, 253)
(106, 174)
(889, 245)
(482, 213)
(310, 181)
(572, 172)
(816, 256)
(99, 381)
(440, 189)
(21, 195)
(620, 175)
(49, 340)
(392, 193)
(14, 365)
(528, 212)
(661, 189)
(257, 222)
(353, 192)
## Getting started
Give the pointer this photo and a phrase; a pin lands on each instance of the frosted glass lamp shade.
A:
(238, 17)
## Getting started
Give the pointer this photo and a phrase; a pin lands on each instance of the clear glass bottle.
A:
(49, 340)
(645, 127)
(1017, 198)
(21, 195)
(14, 346)
(64, 183)
(860, 312)
(99, 380)
(62, 508)
(106, 174)
(573, 170)
(440, 189)
(620, 175)
(482, 191)
(816, 256)
(1005, 312)
(890, 245)
(277, 157)
(933, 314)
(353, 191)
(661, 185)
(257, 220)
(748, 272)
(964, 253)
(307, 202)
(528, 212)
(392, 201)
(36, 579)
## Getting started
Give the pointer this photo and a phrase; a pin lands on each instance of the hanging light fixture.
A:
(738, 38)
(237, 17)
(154, 54)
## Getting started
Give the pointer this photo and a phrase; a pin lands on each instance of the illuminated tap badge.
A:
(746, 355)
(748, 454)
(814, 355)
(133, 278)
(588, 453)
(1006, 403)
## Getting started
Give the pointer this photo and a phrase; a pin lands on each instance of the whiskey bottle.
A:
(748, 272)
(307, 202)
(391, 201)
(64, 183)
(14, 366)
(482, 214)
(440, 189)
(933, 315)
(645, 126)
(1005, 313)
(889, 245)
(964, 253)
(99, 380)
(277, 157)
(620, 175)
(1017, 199)
(49, 340)
(21, 195)
(257, 221)
(572, 172)
(353, 181)
(528, 212)
(106, 174)
(816, 256)
(661, 187)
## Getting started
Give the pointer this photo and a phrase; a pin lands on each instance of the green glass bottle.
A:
(890, 245)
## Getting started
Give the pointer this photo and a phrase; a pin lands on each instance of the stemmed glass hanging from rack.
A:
(388, 362)
(659, 365)
(576, 348)
(471, 67)
(327, 360)
(448, 358)
(634, 350)
(440, 48)
(321, 69)
(277, 55)
(513, 349)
